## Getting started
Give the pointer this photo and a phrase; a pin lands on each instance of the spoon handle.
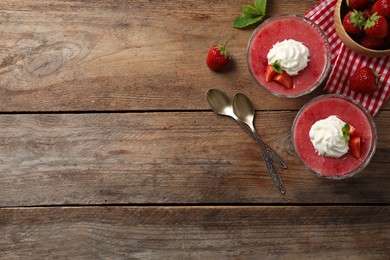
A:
(273, 173)
(269, 151)
(265, 151)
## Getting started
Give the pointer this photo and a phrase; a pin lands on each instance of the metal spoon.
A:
(244, 110)
(221, 104)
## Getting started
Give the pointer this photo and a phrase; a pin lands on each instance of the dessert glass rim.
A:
(374, 137)
(328, 65)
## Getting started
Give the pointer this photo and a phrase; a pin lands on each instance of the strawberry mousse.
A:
(296, 48)
(324, 134)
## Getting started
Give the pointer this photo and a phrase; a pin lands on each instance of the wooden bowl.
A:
(340, 10)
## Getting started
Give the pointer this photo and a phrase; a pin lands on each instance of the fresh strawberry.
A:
(366, 12)
(352, 131)
(275, 72)
(354, 146)
(382, 7)
(357, 4)
(269, 73)
(284, 79)
(376, 26)
(353, 22)
(371, 42)
(271, 70)
(218, 57)
(349, 131)
(364, 80)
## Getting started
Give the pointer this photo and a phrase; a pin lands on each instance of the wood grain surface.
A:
(196, 232)
(109, 150)
(123, 55)
(165, 158)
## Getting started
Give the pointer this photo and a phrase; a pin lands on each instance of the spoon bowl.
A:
(244, 109)
(220, 103)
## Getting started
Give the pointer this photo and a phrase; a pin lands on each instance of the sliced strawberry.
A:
(354, 146)
(349, 131)
(352, 131)
(284, 79)
(269, 73)
(271, 70)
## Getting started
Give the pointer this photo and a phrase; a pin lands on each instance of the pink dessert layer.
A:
(321, 109)
(280, 29)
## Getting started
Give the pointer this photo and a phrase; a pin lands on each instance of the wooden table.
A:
(109, 150)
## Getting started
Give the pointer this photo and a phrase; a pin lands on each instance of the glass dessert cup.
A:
(298, 28)
(348, 111)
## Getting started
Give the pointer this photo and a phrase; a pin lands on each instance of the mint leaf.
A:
(243, 21)
(250, 10)
(345, 131)
(261, 5)
(251, 14)
(277, 67)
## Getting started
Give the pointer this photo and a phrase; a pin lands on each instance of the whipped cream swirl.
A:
(327, 137)
(292, 55)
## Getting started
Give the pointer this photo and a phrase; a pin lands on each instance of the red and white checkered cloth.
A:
(345, 62)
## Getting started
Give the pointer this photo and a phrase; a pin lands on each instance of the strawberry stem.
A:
(223, 51)
(224, 46)
(376, 76)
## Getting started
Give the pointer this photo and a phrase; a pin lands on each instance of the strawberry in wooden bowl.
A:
(363, 26)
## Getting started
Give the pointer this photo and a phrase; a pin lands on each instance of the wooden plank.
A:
(176, 157)
(325, 232)
(124, 55)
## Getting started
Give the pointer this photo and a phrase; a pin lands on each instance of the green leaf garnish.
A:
(243, 21)
(261, 5)
(277, 67)
(250, 10)
(345, 131)
(251, 14)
